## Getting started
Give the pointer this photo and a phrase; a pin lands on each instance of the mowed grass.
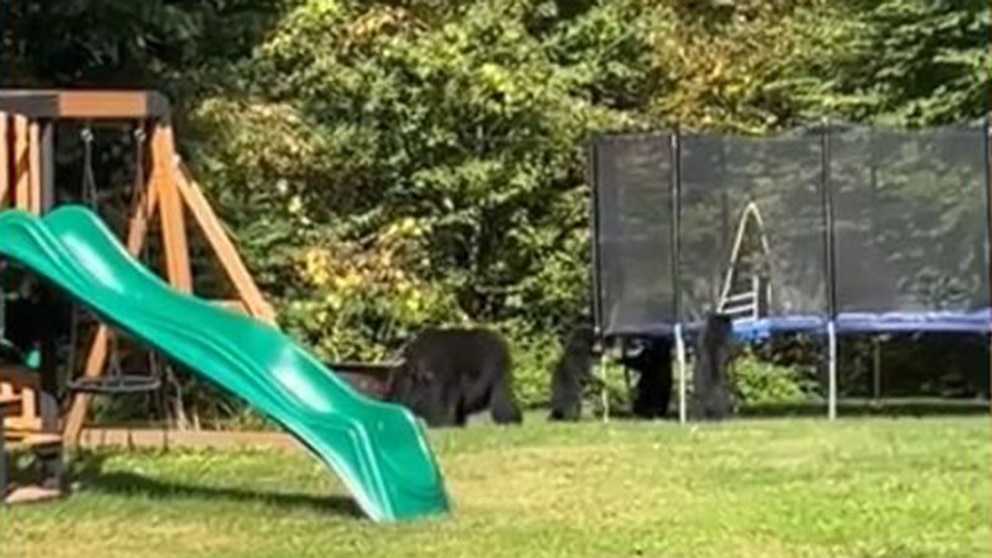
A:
(902, 488)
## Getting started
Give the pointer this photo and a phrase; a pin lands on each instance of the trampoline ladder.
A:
(744, 306)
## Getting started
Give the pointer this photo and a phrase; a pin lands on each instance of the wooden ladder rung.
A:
(25, 424)
(33, 439)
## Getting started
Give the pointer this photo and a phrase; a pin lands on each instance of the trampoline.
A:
(828, 230)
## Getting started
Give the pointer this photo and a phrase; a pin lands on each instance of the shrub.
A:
(757, 382)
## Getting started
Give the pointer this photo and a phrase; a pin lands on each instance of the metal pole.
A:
(605, 393)
(829, 268)
(595, 279)
(832, 372)
(988, 230)
(676, 189)
(595, 255)
(680, 355)
(876, 369)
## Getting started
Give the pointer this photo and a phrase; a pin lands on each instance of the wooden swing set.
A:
(31, 418)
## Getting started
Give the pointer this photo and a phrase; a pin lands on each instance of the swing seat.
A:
(115, 385)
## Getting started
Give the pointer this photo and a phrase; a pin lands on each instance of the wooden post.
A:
(174, 239)
(47, 167)
(24, 183)
(34, 168)
(96, 359)
(21, 171)
(222, 246)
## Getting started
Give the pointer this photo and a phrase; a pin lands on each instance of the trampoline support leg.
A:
(680, 356)
(605, 391)
(831, 370)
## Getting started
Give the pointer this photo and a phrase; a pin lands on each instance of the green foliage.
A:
(907, 62)
(534, 356)
(757, 382)
(463, 122)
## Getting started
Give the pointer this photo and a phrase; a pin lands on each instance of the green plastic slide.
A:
(379, 450)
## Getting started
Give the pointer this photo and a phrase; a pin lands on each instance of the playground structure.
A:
(378, 450)
(829, 230)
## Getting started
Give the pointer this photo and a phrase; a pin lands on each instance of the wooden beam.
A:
(177, 264)
(34, 168)
(96, 359)
(19, 376)
(32, 103)
(85, 104)
(47, 167)
(23, 423)
(223, 247)
(112, 104)
(23, 199)
(21, 175)
(29, 408)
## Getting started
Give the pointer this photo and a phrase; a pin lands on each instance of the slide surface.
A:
(379, 450)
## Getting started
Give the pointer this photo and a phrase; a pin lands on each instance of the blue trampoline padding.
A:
(763, 327)
(976, 321)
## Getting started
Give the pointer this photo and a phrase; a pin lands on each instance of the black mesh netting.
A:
(910, 225)
(633, 176)
(909, 220)
(751, 209)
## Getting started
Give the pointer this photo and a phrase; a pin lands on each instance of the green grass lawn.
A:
(903, 488)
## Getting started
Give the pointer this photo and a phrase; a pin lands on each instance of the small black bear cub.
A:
(653, 364)
(710, 382)
(573, 372)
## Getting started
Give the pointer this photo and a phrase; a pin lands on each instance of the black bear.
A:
(572, 373)
(653, 363)
(710, 382)
(448, 374)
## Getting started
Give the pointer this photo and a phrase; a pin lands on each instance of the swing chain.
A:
(89, 178)
(115, 381)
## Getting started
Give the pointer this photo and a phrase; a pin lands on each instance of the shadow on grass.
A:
(88, 472)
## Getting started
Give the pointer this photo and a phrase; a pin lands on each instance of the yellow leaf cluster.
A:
(717, 74)
(382, 265)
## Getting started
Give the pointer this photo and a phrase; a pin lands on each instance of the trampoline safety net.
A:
(880, 230)
(634, 209)
(910, 224)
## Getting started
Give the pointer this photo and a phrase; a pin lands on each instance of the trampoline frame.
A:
(833, 323)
